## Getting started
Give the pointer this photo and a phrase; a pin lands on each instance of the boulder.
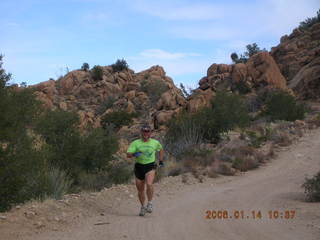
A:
(239, 72)
(264, 71)
(306, 83)
(199, 99)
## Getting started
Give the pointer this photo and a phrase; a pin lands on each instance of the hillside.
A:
(292, 65)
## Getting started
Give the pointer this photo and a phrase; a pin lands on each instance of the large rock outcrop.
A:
(78, 91)
(297, 50)
(260, 71)
(307, 81)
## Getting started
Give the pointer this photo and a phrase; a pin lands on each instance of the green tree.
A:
(85, 67)
(154, 88)
(59, 130)
(281, 105)
(310, 21)
(227, 112)
(97, 73)
(252, 49)
(184, 91)
(120, 65)
(312, 188)
(98, 147)
(21, 162)
(117, 119)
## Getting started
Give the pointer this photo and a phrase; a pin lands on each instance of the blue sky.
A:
(41, 38)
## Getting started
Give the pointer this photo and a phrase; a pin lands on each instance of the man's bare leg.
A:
(140, 187)
(149, 181)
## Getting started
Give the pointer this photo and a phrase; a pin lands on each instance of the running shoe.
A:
(142, 211)
(149, 207)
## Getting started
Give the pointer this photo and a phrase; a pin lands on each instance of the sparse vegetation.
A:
(117, 119)
(184, 91)
(310, 21)
(228, 111)
(281, 105)
(120, 65)
(20, 162)
(184, 132)
(85, 67)
(57, 183)
(42, 152)
(97, 73)
(187, 130)
(154, 88)
(251, 50)
(312, 188)
(105, 105)
(242, 87)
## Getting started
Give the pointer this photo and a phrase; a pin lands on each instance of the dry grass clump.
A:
(314, 122)
(283, 139)
(226, 169)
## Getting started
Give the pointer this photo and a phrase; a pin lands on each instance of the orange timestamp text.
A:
(250, 214)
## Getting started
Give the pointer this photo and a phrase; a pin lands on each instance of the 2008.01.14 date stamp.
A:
(253, 214)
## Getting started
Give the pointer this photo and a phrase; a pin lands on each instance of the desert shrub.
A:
(242, 87)
(187, 130)
(85, 67)
(281, 105)
(97, 148)
(245, 164)
(94, 181)
(174, 168)
(71, 151)
(97, 72)
(310, 21)
(281, 138)
(20, 161)
(201, 155)
(120, 65)
(117, 119)
(258, 138)
(56, 183)
(105, 105)
(59, 130)
(312, 188)
(184, 132)
(225, 169)
(154, 89)
(20, 172)
(228, 111)
(235, 58)
(120, 172)
(314, 121)
(251, 50)
(185, 93)
(242, 158)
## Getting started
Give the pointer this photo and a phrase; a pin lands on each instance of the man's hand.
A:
(136, 154)
(161, 164)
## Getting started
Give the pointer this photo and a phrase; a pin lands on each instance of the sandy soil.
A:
(180, 209)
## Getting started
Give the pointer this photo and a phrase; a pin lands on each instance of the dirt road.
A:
(180, 212)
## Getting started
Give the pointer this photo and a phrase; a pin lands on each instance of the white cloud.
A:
(170, 11)
(178, 65)
(157, 54)
(241, 21)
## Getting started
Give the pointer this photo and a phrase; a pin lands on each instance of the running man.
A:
(144, 150)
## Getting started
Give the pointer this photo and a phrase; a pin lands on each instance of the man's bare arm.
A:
(161, 155)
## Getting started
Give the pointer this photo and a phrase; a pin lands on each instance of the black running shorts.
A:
(140, 170)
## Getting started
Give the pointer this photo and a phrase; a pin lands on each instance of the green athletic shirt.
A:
(148, 150)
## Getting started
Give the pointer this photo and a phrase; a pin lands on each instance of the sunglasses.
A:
(146, 131)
